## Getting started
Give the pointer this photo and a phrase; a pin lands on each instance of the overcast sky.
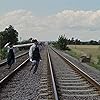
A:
(47, 19)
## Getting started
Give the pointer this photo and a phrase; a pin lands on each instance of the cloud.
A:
(74, 23)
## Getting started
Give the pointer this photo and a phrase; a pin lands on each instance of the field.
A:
(88, 50)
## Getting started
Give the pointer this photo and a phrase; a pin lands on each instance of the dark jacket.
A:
(36, 54)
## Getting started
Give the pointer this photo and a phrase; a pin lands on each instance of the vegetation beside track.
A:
(89, 50)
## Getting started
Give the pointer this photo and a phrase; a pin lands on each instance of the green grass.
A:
(97, 66)
(93, 50)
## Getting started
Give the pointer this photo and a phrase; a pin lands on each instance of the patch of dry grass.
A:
(93, 50)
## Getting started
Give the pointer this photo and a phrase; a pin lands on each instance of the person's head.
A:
(35, 41)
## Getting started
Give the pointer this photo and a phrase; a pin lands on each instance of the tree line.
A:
(62, 42)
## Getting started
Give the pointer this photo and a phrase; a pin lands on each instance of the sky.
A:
(48, 19)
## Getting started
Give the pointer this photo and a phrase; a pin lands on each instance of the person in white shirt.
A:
(34, 55)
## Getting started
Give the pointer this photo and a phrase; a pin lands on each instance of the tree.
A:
(8, 35)
(92, 42)
(72, 41)
(77, 42)
(62, 42)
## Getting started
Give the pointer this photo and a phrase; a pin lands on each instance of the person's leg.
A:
(33, 64)
(9, 64)
(32, 67)
(36, 66)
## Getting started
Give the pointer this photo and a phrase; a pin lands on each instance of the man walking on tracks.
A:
(10, 55)
(34, 55)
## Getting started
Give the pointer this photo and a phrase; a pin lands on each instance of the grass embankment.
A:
(88, 50)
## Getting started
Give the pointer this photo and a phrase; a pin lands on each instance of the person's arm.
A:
(30, 52)
(6, 45)
(14, 50)
(39, 54)
(32, 48)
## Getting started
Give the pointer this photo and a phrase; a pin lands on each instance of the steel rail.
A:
(52, 77)
(12, 72)
(85, 75)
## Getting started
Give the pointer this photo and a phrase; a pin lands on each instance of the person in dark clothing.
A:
(10, 55)
(34, 55)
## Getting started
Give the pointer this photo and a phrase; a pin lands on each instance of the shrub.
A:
(3, 53)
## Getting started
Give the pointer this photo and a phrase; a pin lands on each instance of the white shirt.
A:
(32, 48)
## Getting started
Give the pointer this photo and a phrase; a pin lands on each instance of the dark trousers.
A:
(35, 66)
(10, 61)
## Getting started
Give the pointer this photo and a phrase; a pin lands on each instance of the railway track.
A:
(7, 84)
(71, 82)
(62, 82)
(4, 71)
(22, 84)
(55, 80)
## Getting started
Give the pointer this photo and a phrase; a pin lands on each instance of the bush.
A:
(62, 42)
(3, 54)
